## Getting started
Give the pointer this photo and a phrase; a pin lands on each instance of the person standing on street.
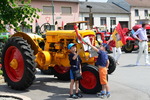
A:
(116, 50)
(143, 45)
(102, 63)
(75, 62)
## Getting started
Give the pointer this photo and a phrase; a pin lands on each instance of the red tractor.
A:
(131, 42)
(103, 37)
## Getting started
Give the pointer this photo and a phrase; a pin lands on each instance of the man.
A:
(143, 45)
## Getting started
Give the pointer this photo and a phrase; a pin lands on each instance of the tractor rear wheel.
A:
(112, 64)
(90, 82)
(62, 73)
(18, 63)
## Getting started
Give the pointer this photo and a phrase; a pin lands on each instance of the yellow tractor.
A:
(24, 52)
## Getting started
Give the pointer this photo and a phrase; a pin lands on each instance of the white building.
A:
(139, 10)
(105, 15)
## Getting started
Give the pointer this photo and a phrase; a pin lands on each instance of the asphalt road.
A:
(128, 82)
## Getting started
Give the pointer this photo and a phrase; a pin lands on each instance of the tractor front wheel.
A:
(112, 64)
(90, 83)
(18, 63)
(62, 73)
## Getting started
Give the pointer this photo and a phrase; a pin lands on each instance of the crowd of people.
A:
(102, 62)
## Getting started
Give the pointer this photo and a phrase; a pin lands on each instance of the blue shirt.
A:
(141, 32)
(102, 58)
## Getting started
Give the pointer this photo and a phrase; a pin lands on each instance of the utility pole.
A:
(90, 16)
(53, 11)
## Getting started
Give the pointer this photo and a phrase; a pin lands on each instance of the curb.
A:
(8, 95)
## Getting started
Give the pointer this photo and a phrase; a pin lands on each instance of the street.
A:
(128, 82)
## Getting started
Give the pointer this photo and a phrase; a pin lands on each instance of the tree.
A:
(14, 15)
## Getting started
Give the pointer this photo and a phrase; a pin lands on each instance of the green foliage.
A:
(13, 14)
(1, 72)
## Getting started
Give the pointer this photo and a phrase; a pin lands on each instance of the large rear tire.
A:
(90, 83)
(112, 64)
(18, 64)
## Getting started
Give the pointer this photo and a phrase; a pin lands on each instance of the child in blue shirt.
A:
(102, 63)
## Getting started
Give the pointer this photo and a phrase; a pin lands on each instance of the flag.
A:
(78, 35)
(132, 31)
(118, 36)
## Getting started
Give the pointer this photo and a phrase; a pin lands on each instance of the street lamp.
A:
(90, 16)
(53, 11)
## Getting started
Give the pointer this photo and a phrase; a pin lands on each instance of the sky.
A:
(95, 0)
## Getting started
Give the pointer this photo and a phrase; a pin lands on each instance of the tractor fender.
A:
(31, 39)
(129, 38)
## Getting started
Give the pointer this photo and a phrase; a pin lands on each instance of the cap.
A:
(71, 45)
(102, 44)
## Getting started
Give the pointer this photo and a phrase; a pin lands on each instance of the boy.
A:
(102, 63)
(75, 62)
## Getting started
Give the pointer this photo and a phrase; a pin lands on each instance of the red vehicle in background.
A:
(102, 37)
(131, 42)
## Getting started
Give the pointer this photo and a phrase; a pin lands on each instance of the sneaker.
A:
(137, 64)
(101, 95)
(108, 95)
(73, 96)
(117, 62)
(79, 95)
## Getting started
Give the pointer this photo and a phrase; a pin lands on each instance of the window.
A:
(26, 29)
(103, 20)
(136, 12)
(47, 9)
(88, 19)
(66, 10)
(146, 12)
(112, 20)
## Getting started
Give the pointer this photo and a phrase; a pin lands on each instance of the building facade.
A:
(139, 10)
(105, 15)
(55, 11)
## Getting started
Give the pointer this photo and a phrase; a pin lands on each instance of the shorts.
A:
(103, 75)
(71, 75)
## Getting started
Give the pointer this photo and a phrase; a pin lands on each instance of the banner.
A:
(78, 35)
(118, 36)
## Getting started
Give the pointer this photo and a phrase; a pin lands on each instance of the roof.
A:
(60, 0)
(99, 7)
(139, 3)
(67, 0)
